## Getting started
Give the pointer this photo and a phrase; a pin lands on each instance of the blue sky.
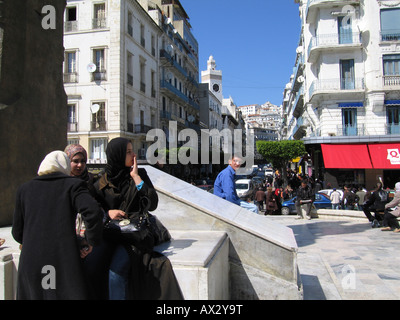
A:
(253, 42)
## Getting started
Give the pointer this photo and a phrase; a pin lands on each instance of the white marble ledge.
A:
(192, 248)
(222, 209)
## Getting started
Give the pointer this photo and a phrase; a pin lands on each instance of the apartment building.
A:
(343, 98)
(129, 66)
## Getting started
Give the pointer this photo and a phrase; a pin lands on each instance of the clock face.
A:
(216, 87)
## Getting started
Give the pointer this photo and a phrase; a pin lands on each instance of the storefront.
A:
(361, 164)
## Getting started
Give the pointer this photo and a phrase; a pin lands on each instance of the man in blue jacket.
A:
(225, 188)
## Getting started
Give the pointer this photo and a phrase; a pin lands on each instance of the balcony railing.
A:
(334, 39)
(391, 81)
(72, 126)
(70, 26)
(99, 23)
(390, 35)
(98, 126)
(70, 77)
(392, 128)
(336, 85)
(351, 130)
(141, 128)
(129, 79)
(165, 115)
(99, 75)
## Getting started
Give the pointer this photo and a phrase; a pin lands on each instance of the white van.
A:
(269, 172)
(244, 187)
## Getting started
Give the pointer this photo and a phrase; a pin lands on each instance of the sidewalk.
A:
(342, 258)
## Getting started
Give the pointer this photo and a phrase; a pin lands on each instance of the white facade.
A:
(339, 86)
(127, 69)
(345, 86)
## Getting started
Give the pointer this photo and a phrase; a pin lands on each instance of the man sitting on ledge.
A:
(224, 185)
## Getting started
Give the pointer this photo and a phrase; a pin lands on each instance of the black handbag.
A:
(142, 229)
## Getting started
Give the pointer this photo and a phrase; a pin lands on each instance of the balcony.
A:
(314, 5)
(99, 75)
(99, 23)
(98, 126)
(390, 35)
(351, 130)
(392, 128)
(72, 127)
(70, 26)
(70, 77)
(337, 88)
(391, 82)
(336, 41)
(169, 89)
(165, 115)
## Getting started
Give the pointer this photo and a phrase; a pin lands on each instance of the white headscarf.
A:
(56, 161)
(397, 186)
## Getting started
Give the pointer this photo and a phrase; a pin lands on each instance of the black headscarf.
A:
(117, 173)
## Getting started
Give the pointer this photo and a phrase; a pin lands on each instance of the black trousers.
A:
(367, 211)
(390, 220)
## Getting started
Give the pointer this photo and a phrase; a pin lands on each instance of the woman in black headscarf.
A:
(119, 191)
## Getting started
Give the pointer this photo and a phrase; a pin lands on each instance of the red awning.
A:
(346, 156)
(385, 156)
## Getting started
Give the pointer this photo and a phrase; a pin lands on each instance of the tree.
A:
(280, 153)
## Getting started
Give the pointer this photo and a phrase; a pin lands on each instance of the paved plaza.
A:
(345, 259)
(338, 259)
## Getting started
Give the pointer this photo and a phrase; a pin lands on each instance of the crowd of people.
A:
(87, 263)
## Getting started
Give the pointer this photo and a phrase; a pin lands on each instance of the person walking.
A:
(271, 205)
(304, 200)
(361, 197)
(392, 212)
(50, 264)
(260, 198)
(335, 199)
(225, 188)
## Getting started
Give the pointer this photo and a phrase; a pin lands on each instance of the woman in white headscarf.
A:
(50, 265)
(392, 212)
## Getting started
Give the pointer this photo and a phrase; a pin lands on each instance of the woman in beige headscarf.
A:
(44, 223)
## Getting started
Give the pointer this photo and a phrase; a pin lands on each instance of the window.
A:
(129, 66)
(70, 74)
(100, 62)
(130, 24)
(98, 122)
(153, 84)
(99, 16)
(390, 24)
(393, 116)
(349, 121)
(71, 23)
(142, 76)
(98, 149)
(72, 123)
(130, 117)
(391, 69)
(345, 31)
(347, 81)
(142, 38)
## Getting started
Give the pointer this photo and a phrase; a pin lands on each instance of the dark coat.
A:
(44, 223)
(110, 197)
(152, 276)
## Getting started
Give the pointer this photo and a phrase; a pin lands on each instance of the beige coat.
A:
(394, 204)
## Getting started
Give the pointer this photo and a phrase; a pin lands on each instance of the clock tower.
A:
(214, 78)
